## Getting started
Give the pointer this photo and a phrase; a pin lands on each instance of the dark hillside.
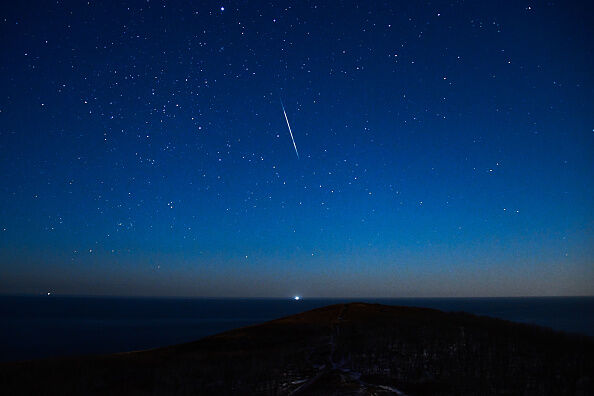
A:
(339, 349)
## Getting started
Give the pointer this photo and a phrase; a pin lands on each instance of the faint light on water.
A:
(297, 298)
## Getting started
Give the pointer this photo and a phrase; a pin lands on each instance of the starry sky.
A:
(445, 148)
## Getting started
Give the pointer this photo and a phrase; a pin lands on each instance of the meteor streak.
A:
(290, 132)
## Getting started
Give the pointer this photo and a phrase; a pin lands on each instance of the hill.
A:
(357, 348)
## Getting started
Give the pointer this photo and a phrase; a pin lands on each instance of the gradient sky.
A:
(446, 148)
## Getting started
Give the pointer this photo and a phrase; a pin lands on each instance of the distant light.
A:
(222, 8)
(49, 293)
(296, 298)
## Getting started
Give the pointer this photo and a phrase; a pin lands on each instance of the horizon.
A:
(289, 298)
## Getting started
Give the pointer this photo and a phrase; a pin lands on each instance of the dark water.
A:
(44, 326)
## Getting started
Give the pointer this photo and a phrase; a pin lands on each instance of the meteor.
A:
(290, 132)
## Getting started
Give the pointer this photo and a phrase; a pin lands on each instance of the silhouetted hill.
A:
(340, 349)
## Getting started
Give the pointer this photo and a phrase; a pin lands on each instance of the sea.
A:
(34, 327)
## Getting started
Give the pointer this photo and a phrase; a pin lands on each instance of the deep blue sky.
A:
(446, 148)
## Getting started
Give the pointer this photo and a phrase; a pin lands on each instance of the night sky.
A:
(444, 148)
